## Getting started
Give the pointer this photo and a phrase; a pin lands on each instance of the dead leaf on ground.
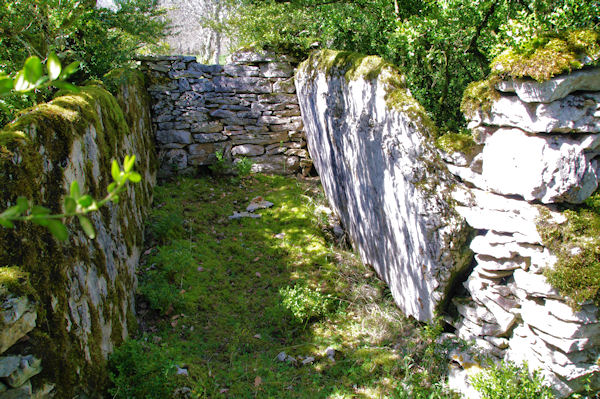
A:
(257, 381)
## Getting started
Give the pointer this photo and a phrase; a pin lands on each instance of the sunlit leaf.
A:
(58, 229)
(111, 187)
(115, 171)
(85, 201)
(6, 85)
(128, 164)
(135, 177)
(75, 193)
(70, 205)
(69, 69)
(66, 86)
(53, 66)
(87, 226)
(33, 69)
(21, 84)
(22, 204)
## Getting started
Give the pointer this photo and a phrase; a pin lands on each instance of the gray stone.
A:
(276, 70)
(370, 159)
(242, 85)
(259, 139)
(174, 136)
(22, 392)
(250, 150)
(241, 70)
(209, 138)
(576, 113)
(241, 215)
(11, 332)
(554, 168)
(554, 89)
(258, 203)
(206, 127)
(8, 365)
(284, 86)
(256, 56)
(174, 159)
(27, 368)
(275, 164)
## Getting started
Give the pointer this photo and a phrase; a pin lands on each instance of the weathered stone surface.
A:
(576, 113)
(22, 392)
(241, 70)
(174, 159)
(243, 85)
(369, 158)
(284, 86)
(27, 367)
(174, 136)
(207, 127)
(276, 70)
(209, 137)
(276, 164)
(554, 89)
(18, 317)
(250, 150)
(550, 169)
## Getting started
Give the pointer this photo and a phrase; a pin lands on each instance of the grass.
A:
(220, 299)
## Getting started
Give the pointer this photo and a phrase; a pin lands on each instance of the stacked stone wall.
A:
(65, 306)
(539, 147)
(247, 108)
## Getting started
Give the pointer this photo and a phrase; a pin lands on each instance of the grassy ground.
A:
(220, 299)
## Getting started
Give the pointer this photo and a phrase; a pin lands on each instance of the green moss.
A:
(15, 281)
(458, 142)
(576, 244)
(479, 96)
(549, 54)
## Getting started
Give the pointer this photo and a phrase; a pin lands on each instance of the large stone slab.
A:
(547, 168)
(576, 113)
(554, 89)
(375, 164)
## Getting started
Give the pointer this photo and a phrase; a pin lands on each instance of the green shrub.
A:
(243, 166)
(509, 381)
(141, 370)
(305, 303)
(576, 244)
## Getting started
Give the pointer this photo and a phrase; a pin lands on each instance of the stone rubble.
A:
(247, 108)
(541, 145)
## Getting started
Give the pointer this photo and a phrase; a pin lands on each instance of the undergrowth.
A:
(221, 299)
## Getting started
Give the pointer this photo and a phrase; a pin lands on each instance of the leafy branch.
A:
(75, 204)
(32, 76)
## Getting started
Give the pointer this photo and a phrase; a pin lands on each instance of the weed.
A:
(243, 166)
(221, 166)
(509, 381)
(305, 303)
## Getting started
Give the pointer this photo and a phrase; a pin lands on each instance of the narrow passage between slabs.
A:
(266, 303)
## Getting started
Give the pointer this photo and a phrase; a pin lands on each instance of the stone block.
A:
(206, 127)
(284, 86)
(174, 136)
(241, 70)
(276, 70)
(242, 85)
(209, 138)
(250, 150)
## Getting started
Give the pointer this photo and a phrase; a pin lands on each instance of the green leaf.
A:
(87, 226)
(6, 85)
(58, 229)
(41, 220)
(13, 211)
(111, 187)
(21, 84)
(135, 177)
(69, 70)
(70, 205)
(85, 201)
(22, 204)
(115, 199)
(6, 223)
(53, 66)
(128, 164)
(65, 86)
(40, 210)
(75, 193)
(115, 171)
(33, 69)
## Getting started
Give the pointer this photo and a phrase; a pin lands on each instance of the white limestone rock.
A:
(556, 168)
(535, 285)
(554, 89)
(375, 164)
(250, 150)
(577, 113)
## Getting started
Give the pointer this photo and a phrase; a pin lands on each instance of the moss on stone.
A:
(458, 142)
(576, 244)
(15, 281)
(479, 96)
(549, 54)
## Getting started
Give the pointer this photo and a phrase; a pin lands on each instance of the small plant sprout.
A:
(75, 204)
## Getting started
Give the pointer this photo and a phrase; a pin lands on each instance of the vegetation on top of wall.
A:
(549, 54)
(458, 142)
(576, 244)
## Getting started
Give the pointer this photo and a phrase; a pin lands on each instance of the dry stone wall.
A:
(247, 108)
(540, 147)
(67, 305)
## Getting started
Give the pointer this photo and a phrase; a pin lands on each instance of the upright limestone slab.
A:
(370, 142)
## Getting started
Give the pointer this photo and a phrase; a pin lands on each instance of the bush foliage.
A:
(441, 45)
